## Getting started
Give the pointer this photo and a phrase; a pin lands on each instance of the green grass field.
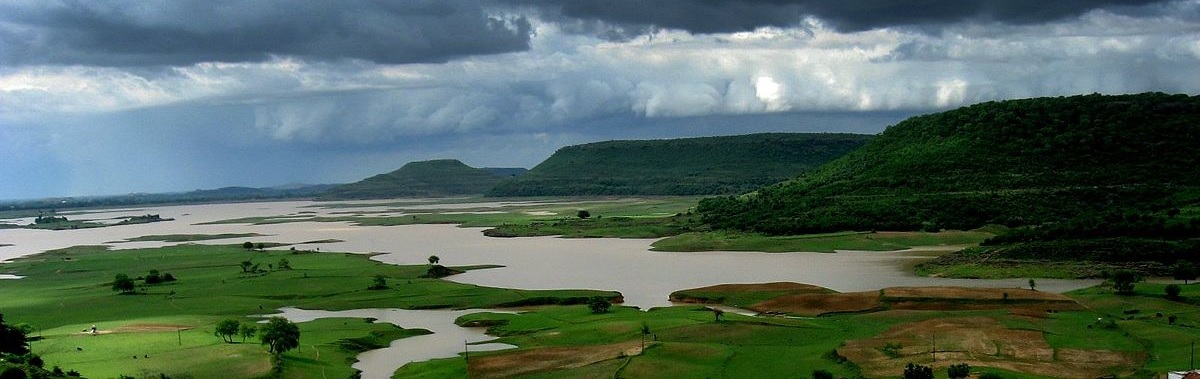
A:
(65, 292)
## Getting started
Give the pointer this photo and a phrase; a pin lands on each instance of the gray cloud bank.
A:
(269, 92)
(183, 32)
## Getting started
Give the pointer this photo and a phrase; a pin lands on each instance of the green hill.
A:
(444, 177)
(689, 166)
(1067, 168)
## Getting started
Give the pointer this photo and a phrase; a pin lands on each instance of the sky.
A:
(121, 96)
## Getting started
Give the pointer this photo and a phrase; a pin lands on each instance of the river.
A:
(644, 277)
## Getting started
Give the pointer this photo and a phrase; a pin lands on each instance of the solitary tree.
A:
(260, 246)
(246, 266)
(915, 371)
(583, 214)
(1123, 281)
(284, 264)
(433, 259)
(959, 371)
(1184, 270)
(123, 284)
(247, 331)
(1032, 285)
(226, 329)
(247, 245)
(280, 335)
(599, 304)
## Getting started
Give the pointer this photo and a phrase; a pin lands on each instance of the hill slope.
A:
(689, 166)
(444, 177)
(1082, 159)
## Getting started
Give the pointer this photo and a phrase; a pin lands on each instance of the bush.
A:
(1172, 291)
(915, 371)
(822, 374)
(959, 371)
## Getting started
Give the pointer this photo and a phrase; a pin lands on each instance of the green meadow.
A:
(65, 292)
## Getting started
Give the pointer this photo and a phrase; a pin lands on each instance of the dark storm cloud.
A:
(709, 16)
(139, 33)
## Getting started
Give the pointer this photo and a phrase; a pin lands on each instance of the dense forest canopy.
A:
(1066, 160)
(687, 166)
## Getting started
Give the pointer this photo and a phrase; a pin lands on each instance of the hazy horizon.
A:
(116, 97)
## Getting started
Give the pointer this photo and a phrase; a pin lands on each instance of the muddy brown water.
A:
(644, 277)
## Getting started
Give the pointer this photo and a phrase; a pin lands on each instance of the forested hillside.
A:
(445, 177)
(1067, 168)
(688, 166)
(1017, 162)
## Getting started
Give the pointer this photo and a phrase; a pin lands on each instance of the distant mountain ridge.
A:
(684, 166)
(433, 178)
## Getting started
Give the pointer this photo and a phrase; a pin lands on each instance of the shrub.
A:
(1172, 291)
(959, 371)
(822, 374)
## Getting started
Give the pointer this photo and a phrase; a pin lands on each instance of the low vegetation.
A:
(169, 326)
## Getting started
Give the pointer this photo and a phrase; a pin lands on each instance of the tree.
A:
(599, 304)
(959, 371)
(1172, 291)
(246, 266)
(822, 374)
(1123, 281)
(226, 329)
(12, 340)
(433, 259)
(260, 246)
(123, 284)
(248, 245)
(1032, 285)
(915, 371)
(284, 264)
(247, 331)
(583, 214)
(168, 277)
(379, 283)
(1184, 270)
(280, 335)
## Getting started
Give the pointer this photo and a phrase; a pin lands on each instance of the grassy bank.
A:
(67, 291)
(820, 243)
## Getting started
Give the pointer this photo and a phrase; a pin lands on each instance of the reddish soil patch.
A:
(1016, 300)
(998, 294)
(763, 287)
(819, 304)
(981, 342)
(530, 361)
